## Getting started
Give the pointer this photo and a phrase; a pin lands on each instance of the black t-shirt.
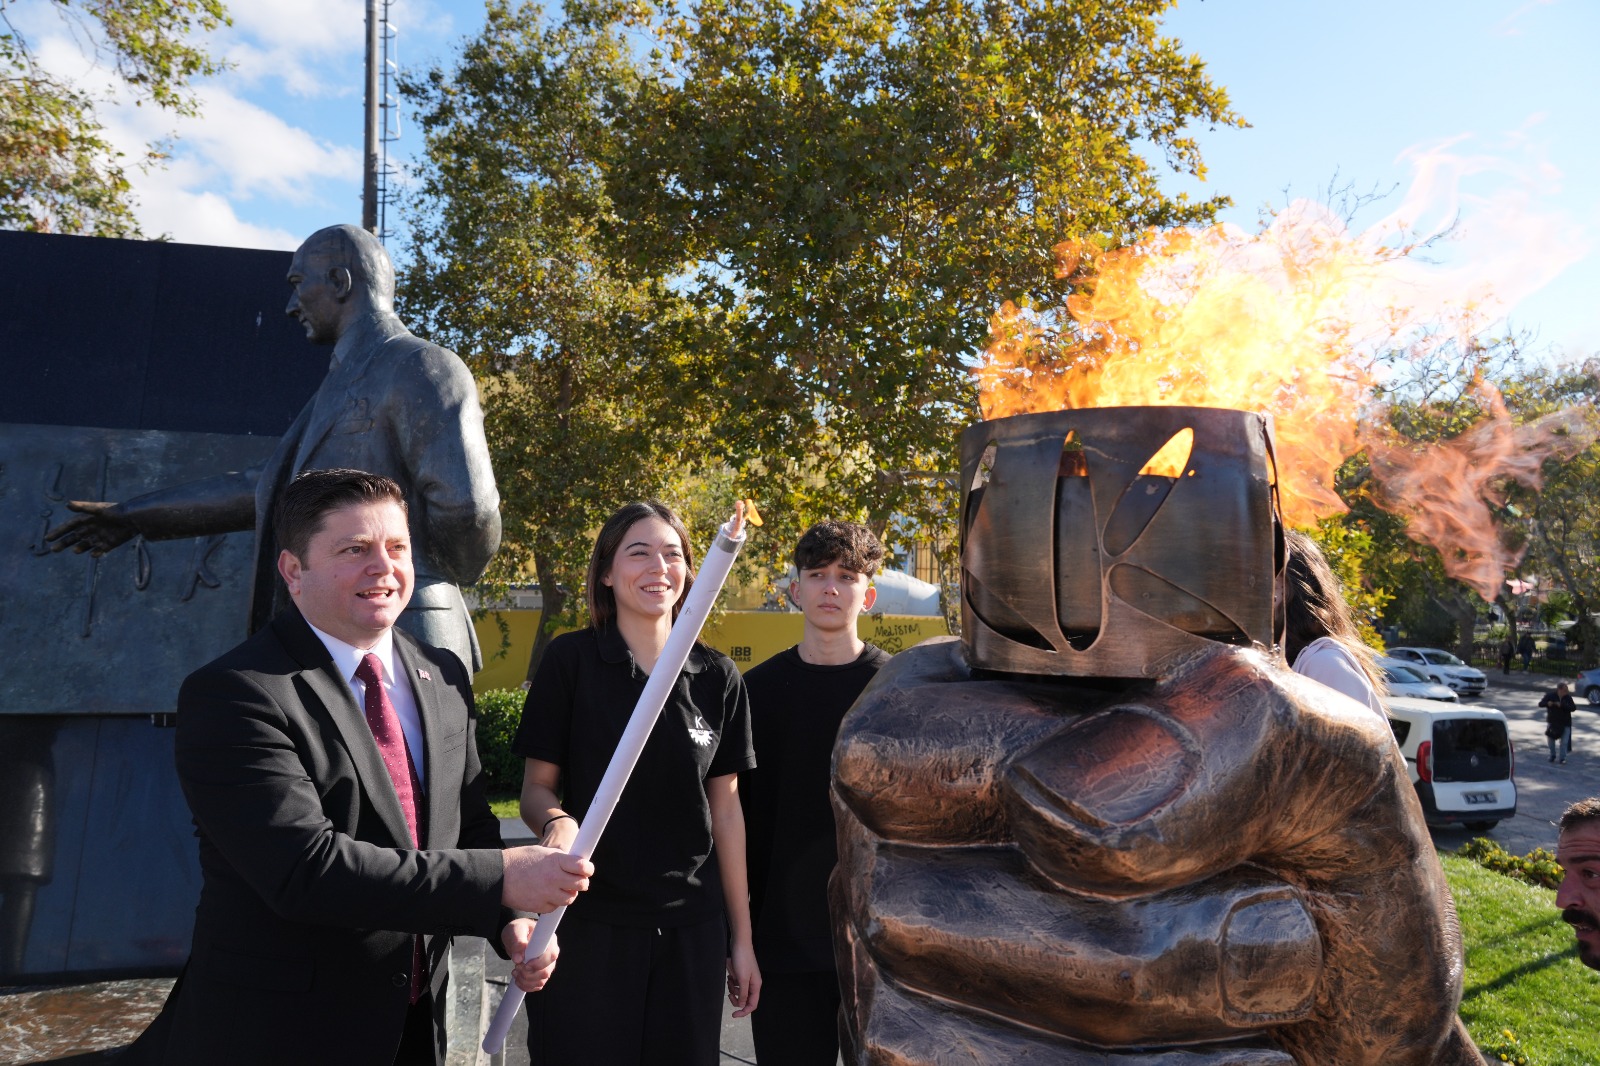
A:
(653, 864)
(796, 709)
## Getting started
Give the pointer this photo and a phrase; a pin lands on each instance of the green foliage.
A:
(763, 241)
(499, 712)
(1348, 546)
(1538, 867)
(1522, 971)
(1560, 521)
(58, 173)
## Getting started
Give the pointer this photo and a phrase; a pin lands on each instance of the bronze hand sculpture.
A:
(1216, 863)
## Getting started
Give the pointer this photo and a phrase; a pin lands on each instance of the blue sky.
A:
(1479, 111)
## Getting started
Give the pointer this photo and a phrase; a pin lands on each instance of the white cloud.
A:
(312, 47)
(197, 217)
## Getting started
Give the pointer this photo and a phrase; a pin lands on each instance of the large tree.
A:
(514, 264)
(1561, 521)
(58, 171)
(783, 229)
(854, 186)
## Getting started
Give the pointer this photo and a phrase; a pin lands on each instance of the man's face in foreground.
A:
(1578, 852)
(357, 573)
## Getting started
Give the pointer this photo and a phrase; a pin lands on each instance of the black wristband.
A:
(557, 818)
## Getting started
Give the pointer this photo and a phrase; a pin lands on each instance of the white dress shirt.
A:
(347, 657)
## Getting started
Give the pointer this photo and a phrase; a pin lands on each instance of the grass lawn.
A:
(504, 804)
(1523, 972)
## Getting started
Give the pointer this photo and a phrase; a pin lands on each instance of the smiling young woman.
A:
(643, 955)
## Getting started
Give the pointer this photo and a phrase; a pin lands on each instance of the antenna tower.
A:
(382, 118)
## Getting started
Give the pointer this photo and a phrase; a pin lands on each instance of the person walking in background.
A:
(797, 700)
(1507, 652)
(1525, 649)
(1320, 639)
(1558, 709)
(668, 911)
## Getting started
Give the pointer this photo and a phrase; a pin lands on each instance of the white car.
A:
(1444, 668)
(1406, 679)
(1461, 759)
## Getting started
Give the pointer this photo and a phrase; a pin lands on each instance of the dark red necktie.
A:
(385, 726)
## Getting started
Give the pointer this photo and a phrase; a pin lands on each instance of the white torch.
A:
(685, 631)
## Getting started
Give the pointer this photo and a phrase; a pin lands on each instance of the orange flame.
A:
(1288, 321)
(1445, 491)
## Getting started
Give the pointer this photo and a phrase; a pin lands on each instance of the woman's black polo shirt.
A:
(653, 865)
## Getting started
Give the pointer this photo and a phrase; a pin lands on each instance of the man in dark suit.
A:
(391, 404)
(331, 766)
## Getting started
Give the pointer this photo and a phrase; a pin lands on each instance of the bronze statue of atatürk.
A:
(391, 404)
(1108, 825)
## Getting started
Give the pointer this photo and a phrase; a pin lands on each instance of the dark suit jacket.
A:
(311, 889)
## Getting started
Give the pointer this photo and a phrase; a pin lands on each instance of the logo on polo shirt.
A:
(701, 733)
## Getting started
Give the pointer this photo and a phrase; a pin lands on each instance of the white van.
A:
(1461, 760)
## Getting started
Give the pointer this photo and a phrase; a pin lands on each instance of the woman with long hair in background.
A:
(667, 917)
(1320, 639)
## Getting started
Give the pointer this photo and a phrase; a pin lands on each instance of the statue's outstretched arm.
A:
(225, 503)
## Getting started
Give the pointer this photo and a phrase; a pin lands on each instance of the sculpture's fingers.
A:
(889, 1025)
(67, 533)
(918, 758)
(1225, 762)
(1214, 961)
(1234, 760)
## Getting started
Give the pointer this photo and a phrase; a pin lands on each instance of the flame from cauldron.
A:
(1289, 321)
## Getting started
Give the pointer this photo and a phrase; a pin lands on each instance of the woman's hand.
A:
(744, 979)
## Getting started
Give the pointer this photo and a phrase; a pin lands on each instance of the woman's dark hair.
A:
(602, 600)
(1315, 607)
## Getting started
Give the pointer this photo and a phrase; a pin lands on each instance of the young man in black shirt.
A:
(797, 700)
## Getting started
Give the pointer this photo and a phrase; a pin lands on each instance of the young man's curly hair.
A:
(846, 543)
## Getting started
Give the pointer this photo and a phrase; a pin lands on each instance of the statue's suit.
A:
(391, 404)
(396, 405)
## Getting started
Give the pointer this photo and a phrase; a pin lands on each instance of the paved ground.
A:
(74, 1023)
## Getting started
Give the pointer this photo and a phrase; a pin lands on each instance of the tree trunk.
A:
(554, 595)
(1465, 612)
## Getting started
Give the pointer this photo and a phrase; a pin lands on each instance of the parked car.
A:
(1588, 686)
(1444, 668)
(1406, 679)
(1462, 761)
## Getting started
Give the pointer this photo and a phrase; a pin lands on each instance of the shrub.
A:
(499, 711)
(1538, 867)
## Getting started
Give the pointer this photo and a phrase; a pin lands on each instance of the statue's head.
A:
(1106, 542)
(338, 274)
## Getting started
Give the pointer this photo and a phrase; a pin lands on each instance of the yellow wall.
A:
(747, 637)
